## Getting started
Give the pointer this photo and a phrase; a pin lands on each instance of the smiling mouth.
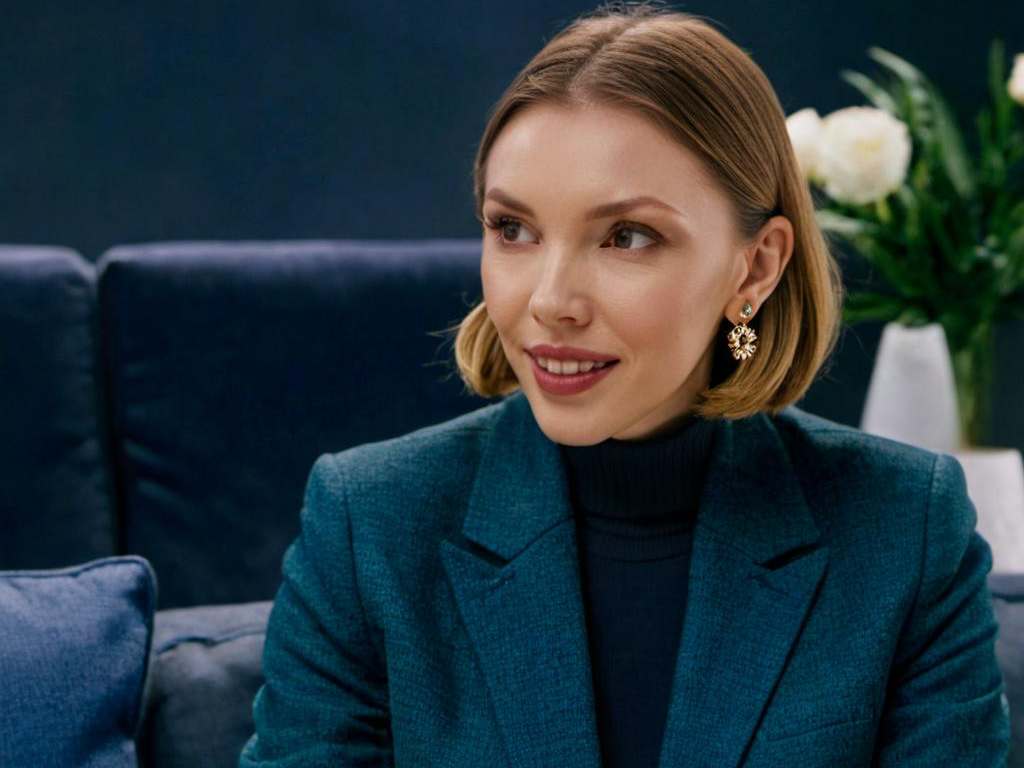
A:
(579, 371)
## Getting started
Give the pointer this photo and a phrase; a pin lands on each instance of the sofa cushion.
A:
(232, 366)
(51, 399)
(205, 670)
(74, 645)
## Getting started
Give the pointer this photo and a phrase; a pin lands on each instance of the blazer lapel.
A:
(754, 571)
(515, 577)
(516, 581)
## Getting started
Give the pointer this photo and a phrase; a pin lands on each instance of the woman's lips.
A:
(568, 384)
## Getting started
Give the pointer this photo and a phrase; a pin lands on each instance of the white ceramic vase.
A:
(912, 398)
(995, 483)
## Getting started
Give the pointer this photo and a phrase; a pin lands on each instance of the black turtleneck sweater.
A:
(635, 502)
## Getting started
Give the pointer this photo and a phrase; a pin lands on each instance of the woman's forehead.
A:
(547, 156)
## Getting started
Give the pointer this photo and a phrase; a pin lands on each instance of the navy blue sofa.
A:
(168, 401)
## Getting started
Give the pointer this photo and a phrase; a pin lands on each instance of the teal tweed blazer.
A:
(431, 609)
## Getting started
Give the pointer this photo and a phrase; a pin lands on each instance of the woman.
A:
(644, 554)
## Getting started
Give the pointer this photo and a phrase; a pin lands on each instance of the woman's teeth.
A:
(568, 367)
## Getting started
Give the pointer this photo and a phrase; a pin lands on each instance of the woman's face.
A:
(648, 285)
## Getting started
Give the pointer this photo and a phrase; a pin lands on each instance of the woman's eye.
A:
(507, 229)
(504, 225)
(616, 237)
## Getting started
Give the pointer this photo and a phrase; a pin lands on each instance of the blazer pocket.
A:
(804, 716)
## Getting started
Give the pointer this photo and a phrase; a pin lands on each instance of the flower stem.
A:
(972, 369)
(882, 210)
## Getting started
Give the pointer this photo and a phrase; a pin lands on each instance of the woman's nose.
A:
(558, 293)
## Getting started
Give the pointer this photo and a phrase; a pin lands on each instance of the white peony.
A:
(863, 154)
(804, 128)
(1016, 84)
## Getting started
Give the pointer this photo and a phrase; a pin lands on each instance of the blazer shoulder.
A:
(398, 480)
(851, 476)
(429, 438)
(807, 435)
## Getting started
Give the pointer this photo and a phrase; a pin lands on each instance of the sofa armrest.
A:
(1008, 603)
(204, 671)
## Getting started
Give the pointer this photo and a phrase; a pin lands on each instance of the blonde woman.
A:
(644, 554)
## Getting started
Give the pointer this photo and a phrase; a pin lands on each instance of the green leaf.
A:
(1015, 148)
(913, 231)
(1015, 217)
(1015, 244)
(1001, 101)
(847, 226)
(913, 94)
(992, 168)
(861, 306)
(953, 155)
(873, 92)
(919, 249)
(996, 68)
(920, 177)
(902, 68)
(897, 269)
(883, 211)
(935, 219)
(984, 124)
(914, 111)
(1015, 259)
(931, 120)
(913, 315)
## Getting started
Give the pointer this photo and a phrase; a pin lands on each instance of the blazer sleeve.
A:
(945, 703)
(324, 697)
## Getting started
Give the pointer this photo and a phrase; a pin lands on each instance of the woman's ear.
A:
(766, 259)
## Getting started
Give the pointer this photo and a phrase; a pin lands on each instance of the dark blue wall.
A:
(170, 121)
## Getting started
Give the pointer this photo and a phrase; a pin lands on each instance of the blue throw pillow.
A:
(74, 647)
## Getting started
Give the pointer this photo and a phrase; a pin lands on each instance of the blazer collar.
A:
(516, 579)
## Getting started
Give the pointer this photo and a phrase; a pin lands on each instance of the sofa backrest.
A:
(55, 496)
(169, 401)
(231, 366)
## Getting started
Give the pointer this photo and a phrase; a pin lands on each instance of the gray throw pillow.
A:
(205, 670)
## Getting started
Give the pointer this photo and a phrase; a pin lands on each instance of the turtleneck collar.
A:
(655, 478)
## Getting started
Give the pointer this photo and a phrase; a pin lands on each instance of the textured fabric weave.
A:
(74, 644)
(204, 672)
(431, 613)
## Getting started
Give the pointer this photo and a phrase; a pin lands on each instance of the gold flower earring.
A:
(742, 338)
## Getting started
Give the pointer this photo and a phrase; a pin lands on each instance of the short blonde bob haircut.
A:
(673, 68)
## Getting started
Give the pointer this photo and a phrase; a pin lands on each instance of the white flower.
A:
(1016, 84)
(863, 154)
(804, 128)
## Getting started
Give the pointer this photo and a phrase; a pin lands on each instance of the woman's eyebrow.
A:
(597, 212)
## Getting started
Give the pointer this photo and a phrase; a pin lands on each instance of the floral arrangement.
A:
(943, 227)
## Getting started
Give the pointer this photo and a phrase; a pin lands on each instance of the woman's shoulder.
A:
(427, 446)
(859, 479)
(414, 479)
(819, 440)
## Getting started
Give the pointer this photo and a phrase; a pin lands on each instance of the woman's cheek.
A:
(501, 289)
